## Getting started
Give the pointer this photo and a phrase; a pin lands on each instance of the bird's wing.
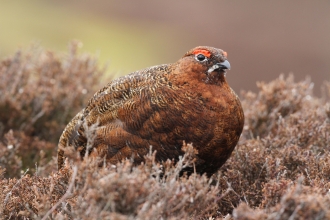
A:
(111, 112)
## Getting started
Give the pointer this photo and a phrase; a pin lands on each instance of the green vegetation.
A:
(125, 46)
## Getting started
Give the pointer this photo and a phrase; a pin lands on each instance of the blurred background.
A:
(263, 38)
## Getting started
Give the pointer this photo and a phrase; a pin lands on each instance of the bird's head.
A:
(208, 62)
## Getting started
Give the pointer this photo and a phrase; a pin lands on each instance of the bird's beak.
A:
(224, 65)
(221, 66)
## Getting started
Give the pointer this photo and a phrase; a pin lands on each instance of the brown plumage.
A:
(162, 106)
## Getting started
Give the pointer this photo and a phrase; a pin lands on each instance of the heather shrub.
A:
(40, 92)
(279, 170)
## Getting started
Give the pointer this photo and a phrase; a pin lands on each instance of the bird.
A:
(162, 107)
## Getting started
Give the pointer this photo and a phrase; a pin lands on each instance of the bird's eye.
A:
(200, 57)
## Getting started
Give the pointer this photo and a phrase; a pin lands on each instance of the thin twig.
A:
(65, 196)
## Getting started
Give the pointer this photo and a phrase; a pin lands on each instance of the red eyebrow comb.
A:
(202, 51)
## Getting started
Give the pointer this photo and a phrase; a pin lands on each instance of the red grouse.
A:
(162, 106)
